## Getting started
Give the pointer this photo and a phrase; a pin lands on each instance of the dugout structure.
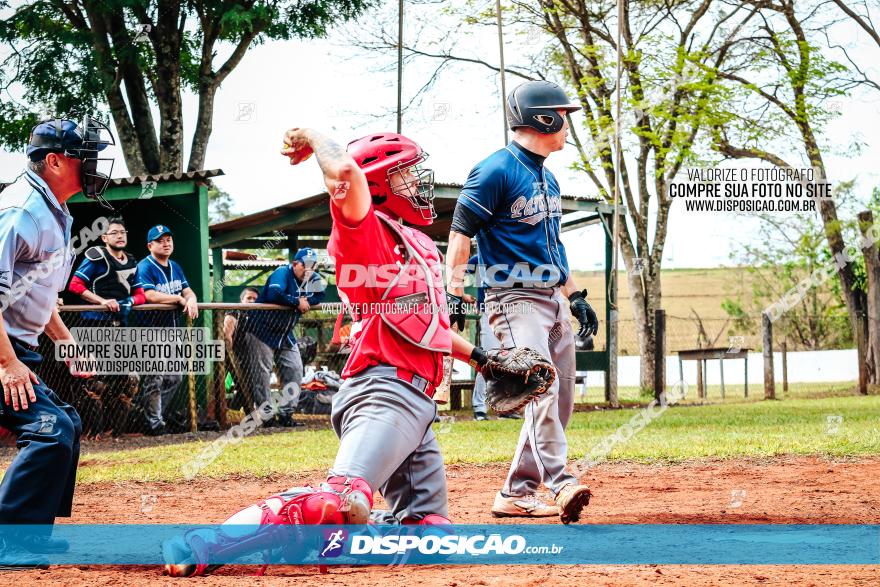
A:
(176, 200)
(236, 244)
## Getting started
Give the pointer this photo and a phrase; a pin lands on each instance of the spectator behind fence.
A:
(164, 283)
(269, 334)
(108, 277)
(236, 347)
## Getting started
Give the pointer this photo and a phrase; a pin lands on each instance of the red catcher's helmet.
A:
(382, 155)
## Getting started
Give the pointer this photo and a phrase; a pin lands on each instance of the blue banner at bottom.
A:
(619, 544)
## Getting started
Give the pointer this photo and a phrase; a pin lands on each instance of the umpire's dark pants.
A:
(38, 484)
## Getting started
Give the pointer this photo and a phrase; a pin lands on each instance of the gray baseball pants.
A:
(289, 365)
(157, 395)
(538, 318)
(385, 436)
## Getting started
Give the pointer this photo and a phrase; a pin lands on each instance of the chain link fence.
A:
(250, 379)
(254, 377)
(798, 371)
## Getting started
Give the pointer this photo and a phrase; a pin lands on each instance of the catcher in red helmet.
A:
(389, 276)
(384, 410)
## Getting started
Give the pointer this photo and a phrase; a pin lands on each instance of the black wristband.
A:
(578, 295)
(478, 358)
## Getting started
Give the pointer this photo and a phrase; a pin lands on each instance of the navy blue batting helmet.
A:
(535, 104)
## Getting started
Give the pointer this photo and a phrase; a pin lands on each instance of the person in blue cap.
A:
(164, 283)
(35, 262)
(269, 335)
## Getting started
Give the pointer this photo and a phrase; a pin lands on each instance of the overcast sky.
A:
(333, 87)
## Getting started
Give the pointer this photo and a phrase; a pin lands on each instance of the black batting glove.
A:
(584, 314)
(457, 313)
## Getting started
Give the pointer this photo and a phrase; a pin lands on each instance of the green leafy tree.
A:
(221, 206)
(788, 250)
(129, 57)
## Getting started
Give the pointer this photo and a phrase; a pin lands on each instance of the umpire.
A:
(511, 202)
(35, 262)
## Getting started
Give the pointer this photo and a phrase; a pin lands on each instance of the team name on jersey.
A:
(172, 287)
(534, 209)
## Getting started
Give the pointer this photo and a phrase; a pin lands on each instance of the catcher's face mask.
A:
(416, 184)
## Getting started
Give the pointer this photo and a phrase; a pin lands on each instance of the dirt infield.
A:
(778, 491)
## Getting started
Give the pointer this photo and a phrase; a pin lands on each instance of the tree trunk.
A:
(167, 88)
(643, 313)
(872, 302)
(204, 122)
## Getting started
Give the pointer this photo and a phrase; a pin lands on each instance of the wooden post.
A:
(191, 381)
(784, 366)
(721, 366)
(680, 371)
(769, 384)
(220, 373)
(701, 391)
(747, 374)
(659, 353)
(870, 326)
(611, 316)
(862, 354)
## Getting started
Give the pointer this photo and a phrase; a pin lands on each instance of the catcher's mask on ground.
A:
(78, 141)
(398, 185)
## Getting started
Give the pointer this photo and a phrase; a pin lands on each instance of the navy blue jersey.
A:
(521, 206)
(167, 279)
(275, 327)
(108, 277)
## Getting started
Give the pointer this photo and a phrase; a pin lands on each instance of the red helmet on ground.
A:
(411, 196)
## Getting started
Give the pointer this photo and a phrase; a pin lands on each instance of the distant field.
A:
(686, 292)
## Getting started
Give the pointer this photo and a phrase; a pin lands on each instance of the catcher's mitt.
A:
(514, 377)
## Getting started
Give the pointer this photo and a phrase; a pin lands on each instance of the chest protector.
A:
(113, 282)
(413, 301)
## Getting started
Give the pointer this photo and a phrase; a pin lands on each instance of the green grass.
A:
(754, 429)
(732, 393)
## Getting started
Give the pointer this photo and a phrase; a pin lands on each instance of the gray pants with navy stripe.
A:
(385, 436)
(539, 318)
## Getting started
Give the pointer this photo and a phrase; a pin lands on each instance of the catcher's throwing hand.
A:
(296, 146)
(584, 314)
(514, 377)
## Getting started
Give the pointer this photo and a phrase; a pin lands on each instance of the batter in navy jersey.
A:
(512, 204)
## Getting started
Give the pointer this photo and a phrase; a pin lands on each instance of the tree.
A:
(788, 251)
(784, 90)
(671, 93)
(220, 205)
(130, 56)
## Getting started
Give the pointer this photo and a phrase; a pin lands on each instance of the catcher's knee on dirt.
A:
(268, 526)
(357, 497)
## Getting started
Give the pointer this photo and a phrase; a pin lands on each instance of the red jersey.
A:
(363, 255)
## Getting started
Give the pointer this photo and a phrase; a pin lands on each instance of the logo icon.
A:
(333, 542)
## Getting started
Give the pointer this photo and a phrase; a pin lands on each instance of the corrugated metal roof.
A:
(200, 175)
(320, 225)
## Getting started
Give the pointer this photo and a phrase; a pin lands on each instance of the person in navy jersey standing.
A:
(164, 283)
(269, 334)
(35, 261)
(512, 203)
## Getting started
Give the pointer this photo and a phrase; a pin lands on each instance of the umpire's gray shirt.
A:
(35, 255)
